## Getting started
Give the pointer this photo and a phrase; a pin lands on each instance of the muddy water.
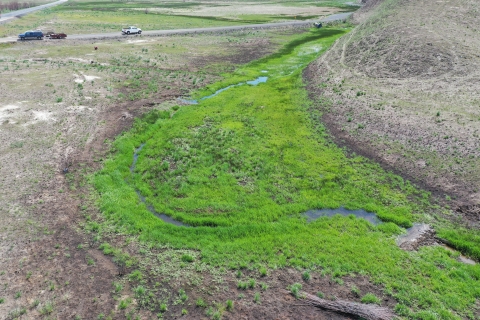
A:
(251, 82)
(362, 214)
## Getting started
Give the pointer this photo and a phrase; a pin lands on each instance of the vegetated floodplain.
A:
(241, 168)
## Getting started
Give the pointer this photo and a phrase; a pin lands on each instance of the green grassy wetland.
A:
(242, 167)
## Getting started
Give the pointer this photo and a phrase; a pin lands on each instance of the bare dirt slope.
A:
(403, 88)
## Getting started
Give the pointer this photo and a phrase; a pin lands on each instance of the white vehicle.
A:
(131, 30)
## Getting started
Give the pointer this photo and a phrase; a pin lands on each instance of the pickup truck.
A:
(31, 35)
(131, 30)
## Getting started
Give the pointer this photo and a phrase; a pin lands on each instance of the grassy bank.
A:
(242, 166)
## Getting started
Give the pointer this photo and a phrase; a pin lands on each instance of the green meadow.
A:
(241, 167)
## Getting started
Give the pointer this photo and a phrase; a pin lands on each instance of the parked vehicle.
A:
(131, 30)
(31, 35)
(58, 36)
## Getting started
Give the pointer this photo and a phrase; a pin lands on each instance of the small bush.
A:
(59, 99)
(201, 303)
(118, 287)
(320, 294)
(135, 276)
(256, 298)
(263, 272)
(355, 291)
(370, 298)
(183, 296)
(124, 303)
(229, 305)
(47, 308)
(251, 283)
(306, 276)
(140, 291)
(187, 258)
(184, 312)
(402, 310)
(295, 289)
(242, 285)
(163, 307)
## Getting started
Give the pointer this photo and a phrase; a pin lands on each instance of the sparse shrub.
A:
(320, 294)
(256, 298)
(201, 303)
(140, 291)
(187, 258)
(2, 300)
(239, 274)
(136, 275)
(295, 289)
(306, 276)
(355, 291)
(183, 296)
(18, 295)
(251, 283)
(263, 272)
(264, 286)
(124, 303)
(229, 305)
(184, 312)
(47, 308)
(163, 307)
(402, 310)
(59, 99)
(217, 315)
(117, 286)
(370, 298)
(242, 285)
(175, 108)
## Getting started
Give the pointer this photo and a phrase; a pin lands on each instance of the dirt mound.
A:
(403, 88)
(363, 13)
(404, 38)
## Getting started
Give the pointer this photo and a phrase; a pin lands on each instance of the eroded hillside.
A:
(403, 88)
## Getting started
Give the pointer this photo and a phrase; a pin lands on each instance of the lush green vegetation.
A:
(252, 159)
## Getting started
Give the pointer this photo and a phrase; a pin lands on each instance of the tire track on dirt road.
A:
(152, 33)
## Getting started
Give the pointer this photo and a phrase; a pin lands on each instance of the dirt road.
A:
(112, 35)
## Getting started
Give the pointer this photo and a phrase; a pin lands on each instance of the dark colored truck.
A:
(31, 35)
(58, 36)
